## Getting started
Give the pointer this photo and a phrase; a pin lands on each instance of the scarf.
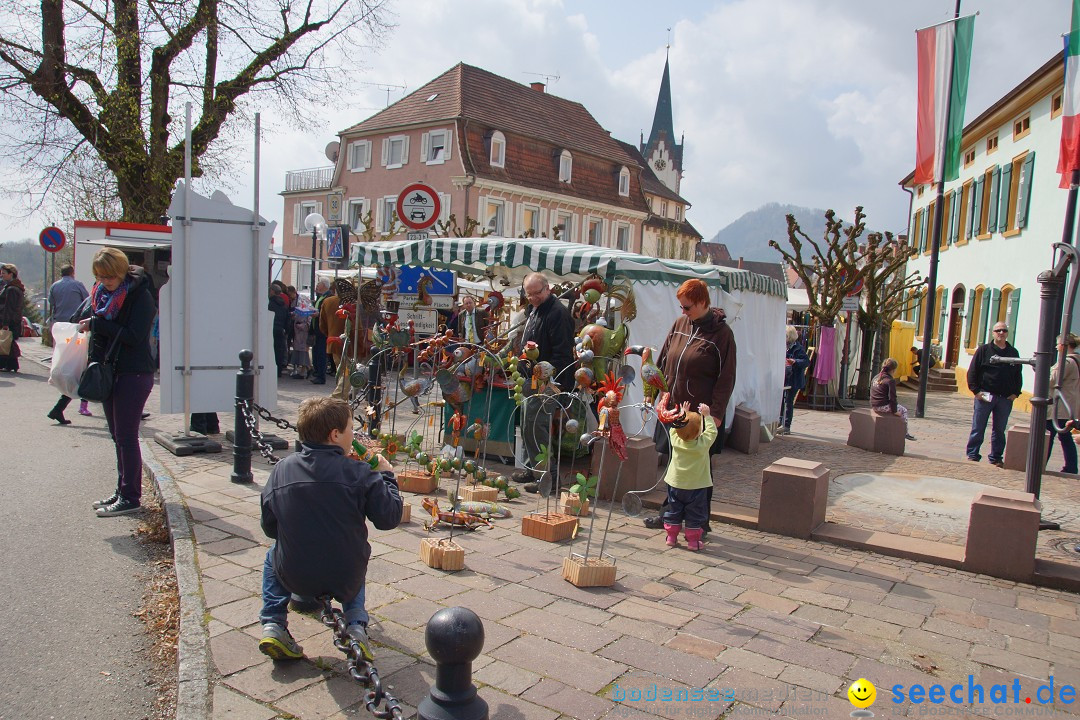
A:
(107, 304)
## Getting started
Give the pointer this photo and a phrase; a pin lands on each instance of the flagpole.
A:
(931, 280)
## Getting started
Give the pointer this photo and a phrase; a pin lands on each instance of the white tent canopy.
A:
(755, 304)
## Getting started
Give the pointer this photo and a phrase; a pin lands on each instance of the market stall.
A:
(755, 304)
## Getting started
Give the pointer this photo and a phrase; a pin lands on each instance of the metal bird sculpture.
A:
(605, 344)
(652, 378)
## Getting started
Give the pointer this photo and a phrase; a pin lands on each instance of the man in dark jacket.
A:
(994, 386)
(280, 308)
(315, 505)
(548, 324)
(470, 324)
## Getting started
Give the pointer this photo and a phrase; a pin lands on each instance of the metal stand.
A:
(454, 638)
(187, 444)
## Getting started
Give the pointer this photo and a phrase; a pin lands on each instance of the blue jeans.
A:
(276, 596)
(999, 407)
(1068, 447)
(787, 407)
(689, 506)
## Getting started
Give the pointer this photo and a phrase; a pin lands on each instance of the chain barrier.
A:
(252, 424)
(360, 669)
(265, 415)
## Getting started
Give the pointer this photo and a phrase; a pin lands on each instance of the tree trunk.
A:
(867, 367)
(145, 197)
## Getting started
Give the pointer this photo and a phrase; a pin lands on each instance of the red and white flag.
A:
(1069, 159)
(944, 53)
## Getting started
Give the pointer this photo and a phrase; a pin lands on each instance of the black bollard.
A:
(245, 394)
(454, 638)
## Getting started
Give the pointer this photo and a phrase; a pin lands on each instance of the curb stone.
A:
(193, 667)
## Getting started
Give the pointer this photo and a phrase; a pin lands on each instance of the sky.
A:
(807, 102)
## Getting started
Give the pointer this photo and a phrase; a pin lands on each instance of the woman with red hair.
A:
(698, 361)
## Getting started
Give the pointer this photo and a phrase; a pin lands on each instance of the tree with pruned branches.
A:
(112, 77)
(841, 265)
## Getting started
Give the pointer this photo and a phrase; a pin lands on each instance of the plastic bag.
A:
(70, 350)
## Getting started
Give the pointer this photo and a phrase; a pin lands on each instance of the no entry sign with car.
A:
(418, 206)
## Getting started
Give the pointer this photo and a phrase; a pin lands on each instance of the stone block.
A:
(1002, 534)
(794, 495)
(745, 431)
(1016, 445)
(876, 433)
(638, 472)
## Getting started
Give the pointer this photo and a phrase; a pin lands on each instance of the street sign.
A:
(409, 277)
(52, 239)
(857, 289)
(334, 247)
(425, 322)
(418, 206)
(851, 304)
(333, 208)
(417, 236)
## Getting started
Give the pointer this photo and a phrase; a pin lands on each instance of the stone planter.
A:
(549, 527)
(442, 554)
(590, 572)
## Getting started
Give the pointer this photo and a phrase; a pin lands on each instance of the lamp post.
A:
(316, 223)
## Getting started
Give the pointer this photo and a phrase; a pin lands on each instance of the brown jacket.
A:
(330, 324)
(698, 361)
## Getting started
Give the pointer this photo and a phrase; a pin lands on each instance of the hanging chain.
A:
(265, 415)
(360, 669)
(252, 424)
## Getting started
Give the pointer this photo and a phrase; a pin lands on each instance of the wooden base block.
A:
(550, 527)
(442, 554)
(416, 481)
(479, 493)
(406, 512)
(590, 572)
(572, 504)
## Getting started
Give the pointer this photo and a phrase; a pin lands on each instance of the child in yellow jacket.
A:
(689, 476)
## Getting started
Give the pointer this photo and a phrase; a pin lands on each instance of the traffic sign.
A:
(418, 206)
(52, 239)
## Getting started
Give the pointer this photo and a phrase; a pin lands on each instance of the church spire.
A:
(662, 153)
(662, 122)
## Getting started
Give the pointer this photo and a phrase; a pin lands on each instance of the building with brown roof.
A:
(517, 159)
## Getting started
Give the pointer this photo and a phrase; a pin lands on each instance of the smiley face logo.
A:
(862, 693)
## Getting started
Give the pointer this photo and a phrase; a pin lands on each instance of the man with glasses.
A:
(994, 386)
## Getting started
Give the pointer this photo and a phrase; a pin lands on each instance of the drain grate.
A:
(1068, 546)
(931, 500)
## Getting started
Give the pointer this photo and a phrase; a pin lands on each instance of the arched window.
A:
(624, 182)
(566, 166)
(498, 149)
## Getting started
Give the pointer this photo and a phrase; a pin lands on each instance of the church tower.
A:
(662, 153)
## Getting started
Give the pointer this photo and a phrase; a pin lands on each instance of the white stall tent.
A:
(755, 304)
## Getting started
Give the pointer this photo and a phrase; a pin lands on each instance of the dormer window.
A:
(498, 150)
(624, 182)
(566, 166)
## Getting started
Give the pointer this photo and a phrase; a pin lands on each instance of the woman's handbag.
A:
(6, 338)
(69, 357)
(96, 383)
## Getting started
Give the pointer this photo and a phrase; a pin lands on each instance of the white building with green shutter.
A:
(1001, 217)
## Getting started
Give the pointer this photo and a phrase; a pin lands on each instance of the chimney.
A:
(740, 262)
(537, 86)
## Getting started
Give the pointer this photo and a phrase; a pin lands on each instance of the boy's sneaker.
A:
(278, 644)
(106, 501)
(122, 506)
(358, 633)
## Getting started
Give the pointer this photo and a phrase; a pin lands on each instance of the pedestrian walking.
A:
(795, 364)
(1066, 409)
(67, 298)
(995, 386)
(12, 292)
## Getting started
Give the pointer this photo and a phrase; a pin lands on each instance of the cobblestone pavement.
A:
(767, 625)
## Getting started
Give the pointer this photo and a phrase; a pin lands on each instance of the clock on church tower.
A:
(660, 164)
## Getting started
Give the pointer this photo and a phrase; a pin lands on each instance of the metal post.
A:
(454, 638)
(245, 393)
(1049, 293)
(314, 247)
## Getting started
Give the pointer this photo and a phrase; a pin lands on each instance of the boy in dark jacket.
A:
(315, 505)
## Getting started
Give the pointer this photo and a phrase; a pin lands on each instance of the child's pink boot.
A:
(83, 409)
(672, 534)
(693, 539)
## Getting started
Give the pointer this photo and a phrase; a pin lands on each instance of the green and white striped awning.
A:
(517, 257)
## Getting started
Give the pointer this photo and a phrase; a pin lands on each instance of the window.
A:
(530, 221)
(1010, 309)
(946, 217)
(395, 151)
(444, 206)
(435, 147)
(987, 200)
(1056, 103)
(303, 277)
(940, 310)
(358, 210)
(678, 213)
(916, 230)
(964, 215)
(624, 182)
(1015, 194)
(969, 157)
(494, 213)
(498, 150)
(565, 225)
(991, 144)
(928, 227)
(596, 232)
(300, 211)
(921, 190)
(1022, 126)
(359, 155)
(566, 166)
(663, 208)
(387, 214)
(622, 236)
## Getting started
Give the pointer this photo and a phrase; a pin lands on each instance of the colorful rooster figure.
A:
(457, 424)
(611, 392)
(653, 380)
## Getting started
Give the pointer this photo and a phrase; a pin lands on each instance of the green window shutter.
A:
(955, 225)
(923, 232)
(995, 185)
(976, 205)
(944, 310)
(1003, 198)
(970, 317)
(984, 317)
(1011, 315)
(968, 226)
(1023, 196)
(995, 311)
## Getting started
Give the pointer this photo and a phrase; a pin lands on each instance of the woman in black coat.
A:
(11, 313)
(122, 311)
